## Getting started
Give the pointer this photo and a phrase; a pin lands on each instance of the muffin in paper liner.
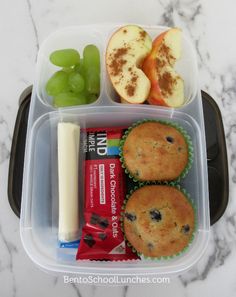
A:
(165, 257)
(187, 139)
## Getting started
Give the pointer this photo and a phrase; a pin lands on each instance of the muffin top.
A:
(158, 220)
(154, 151)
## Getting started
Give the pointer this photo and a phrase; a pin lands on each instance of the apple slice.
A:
(122, 100)
(167, 87)
(126, 50)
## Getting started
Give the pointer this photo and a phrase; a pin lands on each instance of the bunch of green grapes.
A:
(78, 82)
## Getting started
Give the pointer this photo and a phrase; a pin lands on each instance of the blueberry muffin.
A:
(158, 221)
(155, 151)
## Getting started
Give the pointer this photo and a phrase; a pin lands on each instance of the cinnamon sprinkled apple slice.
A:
(167, 87)
(126, 50)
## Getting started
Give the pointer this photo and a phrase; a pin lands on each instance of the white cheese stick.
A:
(68, 166)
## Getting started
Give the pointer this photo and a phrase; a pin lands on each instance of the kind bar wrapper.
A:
(102, 237)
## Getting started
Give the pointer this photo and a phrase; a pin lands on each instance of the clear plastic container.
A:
(39, 211)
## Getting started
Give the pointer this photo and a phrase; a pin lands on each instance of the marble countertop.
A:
(211, 26)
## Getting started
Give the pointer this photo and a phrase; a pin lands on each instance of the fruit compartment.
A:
(74, 38)
(187, 64)
(39, 216)
(79, 37)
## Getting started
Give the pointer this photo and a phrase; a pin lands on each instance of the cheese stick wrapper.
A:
(68, 167)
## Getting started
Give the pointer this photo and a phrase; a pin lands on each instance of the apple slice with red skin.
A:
(167, 87)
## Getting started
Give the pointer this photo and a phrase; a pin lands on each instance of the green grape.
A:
(82, 97)
(65, 57)
(68, 69)
(91, 98)
(76, 82)
(80, 68)
(91, 57)
(57, 83)
(92, 80)
(69, 99)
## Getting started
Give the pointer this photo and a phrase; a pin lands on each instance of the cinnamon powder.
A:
(165, 79)
(160, 63)
(117, 60)
(166, 83)
(131, 86)
(165, 52)
(130, 89)
(142, 34)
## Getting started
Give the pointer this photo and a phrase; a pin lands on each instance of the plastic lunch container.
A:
(39, 209)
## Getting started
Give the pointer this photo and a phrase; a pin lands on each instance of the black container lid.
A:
(16, 165)
(218, 178)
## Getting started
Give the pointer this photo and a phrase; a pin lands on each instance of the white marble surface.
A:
(211, 26)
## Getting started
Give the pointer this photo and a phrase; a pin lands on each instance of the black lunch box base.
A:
(216, 156)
